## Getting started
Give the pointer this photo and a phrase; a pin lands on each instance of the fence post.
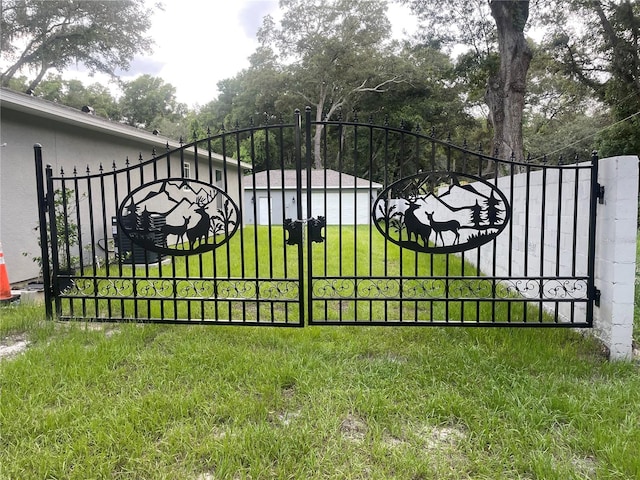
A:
(43, 208)
(616, 234)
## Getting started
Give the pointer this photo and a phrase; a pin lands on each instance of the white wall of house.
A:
(69, 139)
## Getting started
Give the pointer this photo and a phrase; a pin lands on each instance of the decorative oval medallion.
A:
(178, 216)
(441, 212)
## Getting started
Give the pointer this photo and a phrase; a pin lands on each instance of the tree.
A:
(561, 117)
(494, 33)
(73, 93)
(44, 35)
(330, 52)
(506, 88)
(148, 99)
(597, 42)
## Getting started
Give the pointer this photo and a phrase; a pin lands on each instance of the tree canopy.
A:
(570, 91)
(53, 34)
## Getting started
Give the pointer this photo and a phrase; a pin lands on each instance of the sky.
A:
(200, 42)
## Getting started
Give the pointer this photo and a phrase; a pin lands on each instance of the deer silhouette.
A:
(200, 231)
(177, 230)
(414, 226)
(448, 226)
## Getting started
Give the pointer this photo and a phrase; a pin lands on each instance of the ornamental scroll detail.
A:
(441, 212)
(178, 217)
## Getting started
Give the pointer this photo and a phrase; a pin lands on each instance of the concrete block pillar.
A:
(616, 233)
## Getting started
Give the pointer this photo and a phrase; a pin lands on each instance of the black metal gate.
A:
(321, 222)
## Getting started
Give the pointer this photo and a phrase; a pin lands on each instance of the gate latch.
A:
(315, 228)
(600, 193)
(294, 229)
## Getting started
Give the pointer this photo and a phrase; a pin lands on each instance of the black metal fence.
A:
(321, 222)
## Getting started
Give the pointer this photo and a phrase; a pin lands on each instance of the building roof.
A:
(320, 179)
(40, 108)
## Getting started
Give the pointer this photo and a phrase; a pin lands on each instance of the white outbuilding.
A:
(270, 197)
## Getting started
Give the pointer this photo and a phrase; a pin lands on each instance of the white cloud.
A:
(200, 42)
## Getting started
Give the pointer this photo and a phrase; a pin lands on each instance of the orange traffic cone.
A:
(5, 288)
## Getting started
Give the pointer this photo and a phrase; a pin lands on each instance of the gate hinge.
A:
(600, 193)
(596, 296)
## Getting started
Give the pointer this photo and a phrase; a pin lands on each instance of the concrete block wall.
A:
(616, 234)
(555, 242)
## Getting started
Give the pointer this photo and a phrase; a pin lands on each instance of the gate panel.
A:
(432, 234)
(176, 239)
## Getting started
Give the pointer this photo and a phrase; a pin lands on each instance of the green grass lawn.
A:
(131, 401)
(358, 277)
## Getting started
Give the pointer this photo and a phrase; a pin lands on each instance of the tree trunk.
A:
(506, 89)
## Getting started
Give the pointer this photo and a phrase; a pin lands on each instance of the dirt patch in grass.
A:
(13, 345)
(353, 428)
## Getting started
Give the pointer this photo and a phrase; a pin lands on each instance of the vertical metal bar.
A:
(576, 191)
(526, 234)
(416, 255)
(494, 254)
(324, 245)
(478, 250)
(80, 242)
(104, 236)
(309, 173)
(510, 254)
(386, 213)
(270, 219)
(340, 229)
(43, 200)
(558, 235)
(370, 221)
(401, 266)
(116, 197)
(196, 161)
(591, 256)
(256, 241)
(243, 250)
(214, 252)
(53, 233)
(447, 256)
(298, 157)
(542, 236)
(355, 221)
(92, 235)
(283, 184)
